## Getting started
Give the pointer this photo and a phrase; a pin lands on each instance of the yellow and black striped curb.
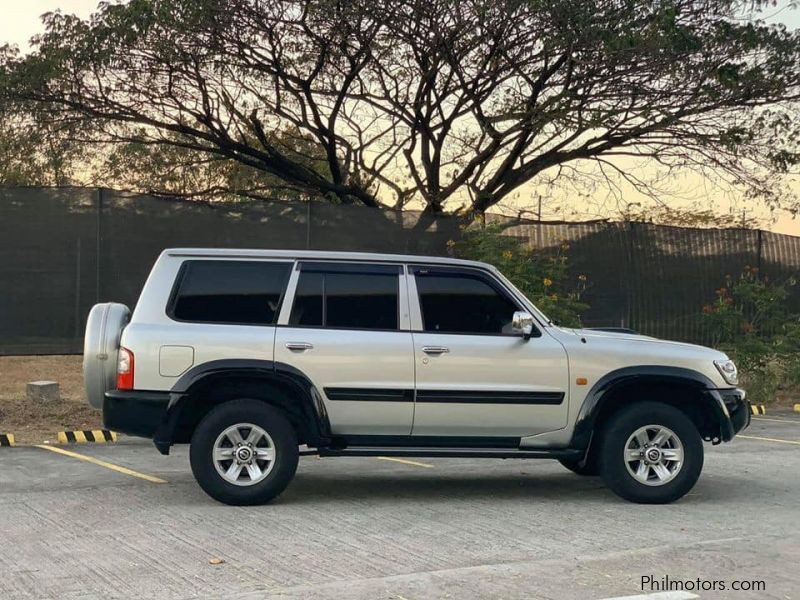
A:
(6, 439)
(758, 409)
(98, 436)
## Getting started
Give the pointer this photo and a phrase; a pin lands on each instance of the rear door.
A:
(347, 329)
(474, 377)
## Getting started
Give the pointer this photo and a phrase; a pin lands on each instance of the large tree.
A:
(447, 103)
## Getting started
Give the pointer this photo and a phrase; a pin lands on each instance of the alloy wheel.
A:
(244, 454)
(654, 455)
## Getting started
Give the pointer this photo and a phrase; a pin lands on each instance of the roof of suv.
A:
(321, 255)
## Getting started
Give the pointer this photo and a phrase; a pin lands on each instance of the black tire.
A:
(590, 469)
(273, 422)
(622, 425)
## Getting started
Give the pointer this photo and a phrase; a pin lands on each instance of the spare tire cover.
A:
(100, 348)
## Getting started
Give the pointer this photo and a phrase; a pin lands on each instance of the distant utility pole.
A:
(539, 222)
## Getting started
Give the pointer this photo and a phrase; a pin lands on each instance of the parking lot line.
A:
(763, 439)
(405, 462)
(777, 420)
(102, 463)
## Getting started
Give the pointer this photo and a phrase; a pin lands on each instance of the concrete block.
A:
(43, 391)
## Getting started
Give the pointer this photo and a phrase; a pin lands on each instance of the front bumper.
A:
(135, 412)
(734, 411)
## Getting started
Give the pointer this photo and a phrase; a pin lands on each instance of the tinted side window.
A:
(462, 303)
(217, 291)
(361, 301)
(307, 307)
(346, 300)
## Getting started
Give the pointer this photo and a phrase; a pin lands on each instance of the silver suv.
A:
(250, 355)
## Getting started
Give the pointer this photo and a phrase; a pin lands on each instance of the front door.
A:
(474, 376)
(346, 327)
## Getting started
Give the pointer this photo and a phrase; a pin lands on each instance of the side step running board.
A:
(448, 452)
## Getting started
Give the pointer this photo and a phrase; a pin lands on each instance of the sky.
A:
(21, 20)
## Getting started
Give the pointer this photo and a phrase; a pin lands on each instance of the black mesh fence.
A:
(63, 250)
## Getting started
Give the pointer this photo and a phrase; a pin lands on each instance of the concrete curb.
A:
(97, 436)
(758, 409)
(7, 439)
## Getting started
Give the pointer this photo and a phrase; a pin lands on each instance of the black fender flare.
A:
(304, 391)
(600, 393)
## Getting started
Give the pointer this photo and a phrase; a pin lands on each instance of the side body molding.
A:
(655, 374)
(301, 390)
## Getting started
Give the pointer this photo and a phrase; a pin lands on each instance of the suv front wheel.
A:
(652, 453)
(244, 452)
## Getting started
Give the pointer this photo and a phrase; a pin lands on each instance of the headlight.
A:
(728, 371)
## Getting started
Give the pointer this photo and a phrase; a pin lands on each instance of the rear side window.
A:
(457, 302)
(226, 291)
(346, 300)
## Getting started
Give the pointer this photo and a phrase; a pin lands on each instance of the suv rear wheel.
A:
(652, 453)
(244, 452)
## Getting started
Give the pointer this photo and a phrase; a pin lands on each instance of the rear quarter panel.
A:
(151, 329)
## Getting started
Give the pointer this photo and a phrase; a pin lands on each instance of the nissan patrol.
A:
(251, 355)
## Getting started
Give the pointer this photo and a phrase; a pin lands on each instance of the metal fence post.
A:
(78, 288)
(98, 243)
(629, 275)
(308, 225)
(759, 249)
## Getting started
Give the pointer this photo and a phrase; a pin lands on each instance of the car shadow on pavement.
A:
(393, 489)
(525, 485)
(400, 487)
(469, 484)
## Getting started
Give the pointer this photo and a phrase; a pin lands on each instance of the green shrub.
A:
(750, 320)
(542, 276)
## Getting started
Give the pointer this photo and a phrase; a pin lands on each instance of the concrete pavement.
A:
(368, 529)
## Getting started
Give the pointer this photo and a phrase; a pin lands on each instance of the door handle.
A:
(301, 346)
(435, 349)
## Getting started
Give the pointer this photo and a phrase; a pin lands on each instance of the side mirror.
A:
(522, 322)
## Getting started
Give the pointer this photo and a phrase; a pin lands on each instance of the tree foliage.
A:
(34, 154)
(448, 103)
(167, 169)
